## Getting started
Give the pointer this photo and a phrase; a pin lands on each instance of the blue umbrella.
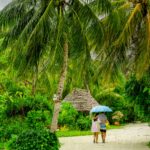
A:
(100, 108)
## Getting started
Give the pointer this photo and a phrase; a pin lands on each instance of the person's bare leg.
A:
(103, 140)
(96, 137)
(104, 137)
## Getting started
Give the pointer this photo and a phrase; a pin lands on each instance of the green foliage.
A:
(67, 115)
(83, 123)
(2, 105)
(138, 95)
(41, 139)
(113, 98)
(10, 127)
(22, 105)
(70, 119)
(20, 111)
(13, 89)
(28, 35)
(38, 119)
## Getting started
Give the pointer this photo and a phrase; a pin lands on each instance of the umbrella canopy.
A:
(100, 108)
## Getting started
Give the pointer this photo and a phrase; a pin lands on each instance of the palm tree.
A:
(31, 26)
(51, 29)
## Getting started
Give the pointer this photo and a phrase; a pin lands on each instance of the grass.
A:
(81, 133)
(72, 133)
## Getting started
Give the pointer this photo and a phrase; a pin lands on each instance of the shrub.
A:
(2, 106)
(117, 116)
(138, 92)
(64, 128)
(11, 126)
(33, 139)
(38, 118)
(22, 105)
(83, 123)
(67, 115)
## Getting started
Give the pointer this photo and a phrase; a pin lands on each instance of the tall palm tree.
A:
(55, 28)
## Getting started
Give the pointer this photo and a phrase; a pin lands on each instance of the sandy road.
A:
(131, 137)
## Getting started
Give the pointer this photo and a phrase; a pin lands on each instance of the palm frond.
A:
(119, 48)
(12, 12)
(129, 28)
(44, 82)
(125, 6)
(91, 25)
(114, 24)
(118, 3)
(143, 57)
(17, 47)
(14, 33)
(57, 46)
(100, 6)
(117, 54)
(77, 42)
(39, 36)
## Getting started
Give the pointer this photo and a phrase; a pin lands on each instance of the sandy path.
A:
(131, 137)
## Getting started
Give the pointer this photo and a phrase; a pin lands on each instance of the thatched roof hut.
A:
(81, 99)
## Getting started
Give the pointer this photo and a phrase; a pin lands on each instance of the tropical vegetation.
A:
(49, 47)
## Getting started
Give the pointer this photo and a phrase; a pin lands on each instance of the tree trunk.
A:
(57, 102)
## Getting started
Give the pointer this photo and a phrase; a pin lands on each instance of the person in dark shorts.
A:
(103, 120)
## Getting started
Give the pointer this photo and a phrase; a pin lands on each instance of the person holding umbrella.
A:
(102, 118)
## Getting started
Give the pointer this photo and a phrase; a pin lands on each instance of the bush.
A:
(36, 119)
(138, 92)
(11, 126)
(22, 105)
(117, 116)
(33, 139)
(18, 114)
(83, 123)
(68, 115)
(2, 106)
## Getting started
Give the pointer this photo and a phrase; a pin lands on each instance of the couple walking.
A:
(99, 125)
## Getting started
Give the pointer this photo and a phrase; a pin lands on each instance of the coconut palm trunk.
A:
(57, 102)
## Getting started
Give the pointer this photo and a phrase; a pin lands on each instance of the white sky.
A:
(3, 3)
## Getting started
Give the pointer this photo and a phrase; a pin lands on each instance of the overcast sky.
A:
(3, 3)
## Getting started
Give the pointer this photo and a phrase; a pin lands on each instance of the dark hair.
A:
(95, 119)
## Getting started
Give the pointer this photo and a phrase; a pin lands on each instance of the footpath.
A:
(130, 137)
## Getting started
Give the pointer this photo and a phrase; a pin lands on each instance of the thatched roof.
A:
(81, 99)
